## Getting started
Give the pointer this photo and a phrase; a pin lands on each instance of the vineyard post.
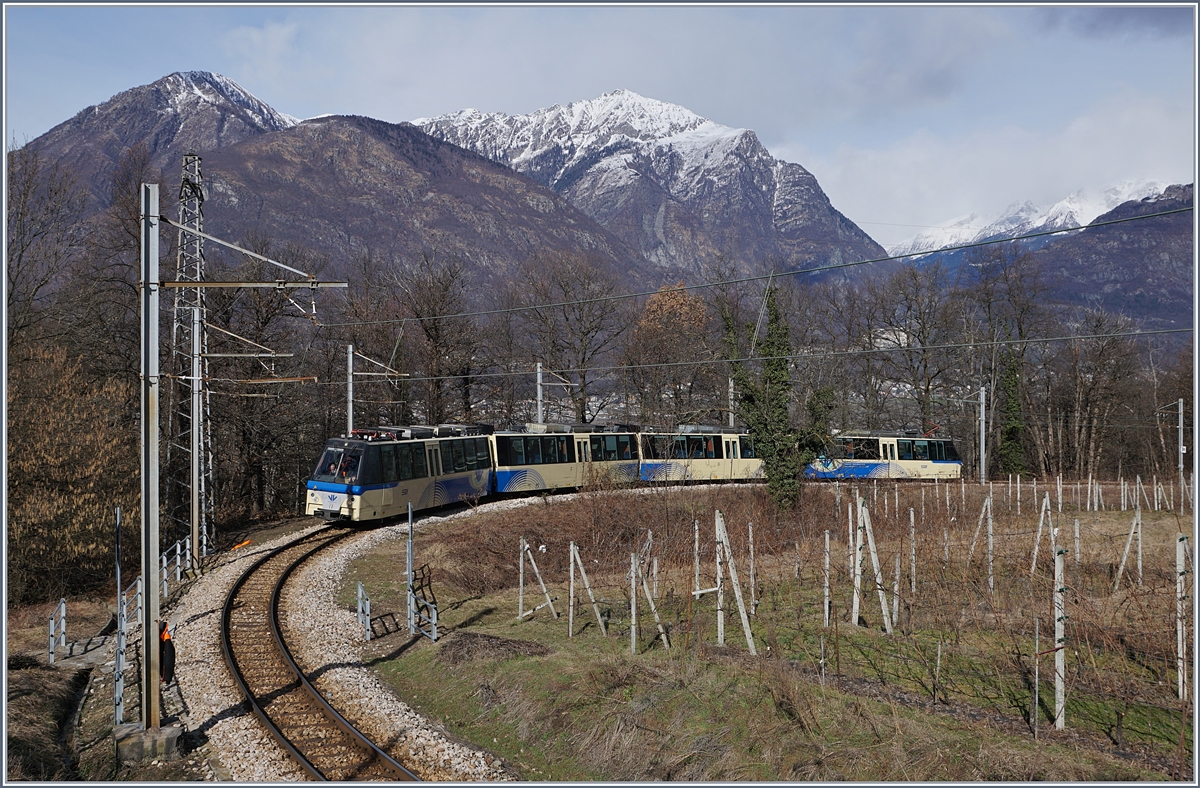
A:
(1180, 600)
(1060, 643)
(633, 571)
(1077, 551)
(991, 551)
(912, 551)
(826, 607)
(571, 592)
(696, 554)
(896, 594)
(520, 576)
(753, 593)
(856, 568)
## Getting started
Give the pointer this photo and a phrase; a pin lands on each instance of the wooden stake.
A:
(723, 535)
(1077, 550)
(1133, 527)
(587, 585)
(657, 621)
(753, 588)
(1181, 589)
(896, 594)
(549, 601)
(883, 605)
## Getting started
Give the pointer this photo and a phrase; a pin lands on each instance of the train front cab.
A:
(363, 479)
(699, 454)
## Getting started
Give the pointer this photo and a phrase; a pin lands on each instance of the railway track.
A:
(321, 741)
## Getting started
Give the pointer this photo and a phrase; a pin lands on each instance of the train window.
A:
(626, 448)
(905, 449)
(387, 453)
(327, 466)
(404, 462)
(369, 473)
(935, 450)
(597, 446)
(951, 451)
(747, 446)
(610, 447)
(419, 469)
(549, 450)
(533, 451)
(469, 452)
(920, 450)
(460, 461)
(517, 450)
(483, 453)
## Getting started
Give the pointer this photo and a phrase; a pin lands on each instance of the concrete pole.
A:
(151, 701)
(1182, 483)
(731, 402)
(349, 390)
(982, 435)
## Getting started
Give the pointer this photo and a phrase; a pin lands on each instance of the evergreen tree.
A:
(1011, 453)
(764, 404)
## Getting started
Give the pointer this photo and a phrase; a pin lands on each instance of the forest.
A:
(893, 345)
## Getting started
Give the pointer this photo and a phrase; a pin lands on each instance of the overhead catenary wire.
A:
(756, 278)
(806, 356)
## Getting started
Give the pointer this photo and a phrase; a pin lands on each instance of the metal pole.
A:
(982, 436)
(541, 408)
(196, 421)
(349, 390)
(149, 452)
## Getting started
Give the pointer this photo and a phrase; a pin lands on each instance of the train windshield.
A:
(338, 464)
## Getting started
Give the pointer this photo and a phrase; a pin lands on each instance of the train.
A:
(887, 455)
(374, 474)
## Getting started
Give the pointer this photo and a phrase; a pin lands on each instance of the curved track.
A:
(306, 726)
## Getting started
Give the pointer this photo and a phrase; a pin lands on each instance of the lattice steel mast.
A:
(189, 462)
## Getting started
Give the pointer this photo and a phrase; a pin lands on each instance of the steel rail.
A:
(370, 746)
(301, 680)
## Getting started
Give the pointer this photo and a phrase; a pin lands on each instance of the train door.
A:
(582, 455)
(435, 461)
(730, 453)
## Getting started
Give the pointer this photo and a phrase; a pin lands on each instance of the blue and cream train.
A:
(887, 455)
(374, 474)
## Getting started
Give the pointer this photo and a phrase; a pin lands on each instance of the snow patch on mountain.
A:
(1078, 210)
(188, 89)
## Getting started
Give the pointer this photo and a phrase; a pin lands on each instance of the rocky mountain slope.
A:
(1143, 269)
(335, 185)
(189, 110)
(678, 188)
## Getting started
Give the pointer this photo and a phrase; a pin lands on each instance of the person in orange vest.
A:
(166, 654)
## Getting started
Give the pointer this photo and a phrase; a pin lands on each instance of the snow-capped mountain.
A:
(187, 110)
(679, 188)
(1077, 210)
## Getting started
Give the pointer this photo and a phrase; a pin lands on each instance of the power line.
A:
(803, 356)
(758, 278)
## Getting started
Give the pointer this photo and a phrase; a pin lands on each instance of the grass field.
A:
(587, 708)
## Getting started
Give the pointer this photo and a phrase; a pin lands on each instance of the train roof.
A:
(888, 434)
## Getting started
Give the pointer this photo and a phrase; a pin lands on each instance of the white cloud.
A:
(928, 178)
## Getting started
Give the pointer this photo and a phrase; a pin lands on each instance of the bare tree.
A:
(573, 324)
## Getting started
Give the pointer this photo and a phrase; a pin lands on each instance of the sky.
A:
(908, 116)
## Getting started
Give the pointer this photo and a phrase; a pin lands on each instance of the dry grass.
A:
(590, 710)
(39, 702)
